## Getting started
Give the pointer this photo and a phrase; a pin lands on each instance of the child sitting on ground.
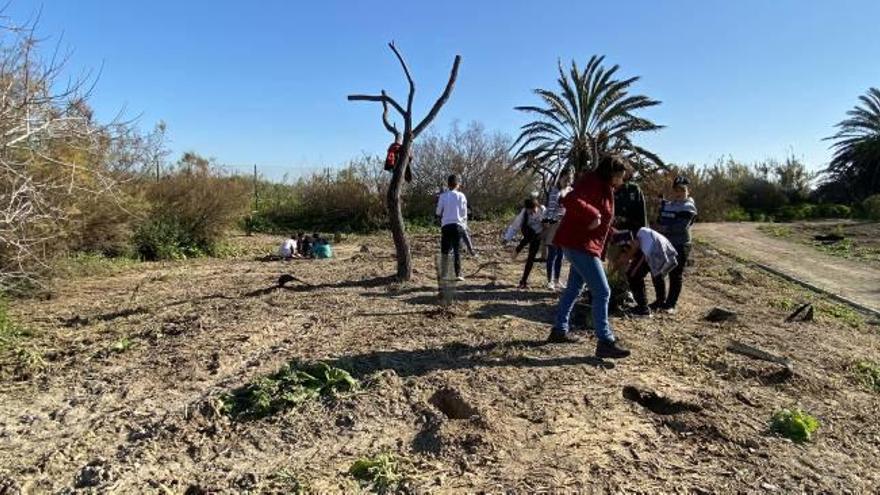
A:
(306, 246)
(646, 252)
(322, 249)
(288, 248)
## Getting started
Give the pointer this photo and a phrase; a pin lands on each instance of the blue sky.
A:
(265, 82)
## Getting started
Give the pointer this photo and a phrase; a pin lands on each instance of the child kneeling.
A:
(648, 252)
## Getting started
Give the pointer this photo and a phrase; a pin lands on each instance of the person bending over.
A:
(646, 252)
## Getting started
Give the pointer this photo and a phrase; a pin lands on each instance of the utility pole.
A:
(256, 194)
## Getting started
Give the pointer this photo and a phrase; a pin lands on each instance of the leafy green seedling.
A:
(794, 424)
(381, 471)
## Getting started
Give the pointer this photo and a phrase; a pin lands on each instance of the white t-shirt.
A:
(452, 208)
(288, 247)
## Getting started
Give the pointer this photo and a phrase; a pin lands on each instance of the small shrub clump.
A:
(381, 471)
(868, 372)
(10, 333)
(794, 424)
(871, 207)
(290, 386)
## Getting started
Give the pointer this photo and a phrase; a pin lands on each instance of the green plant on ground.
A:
(288, 482)
(122, 345)
(794, 424)
(784, 304)
(294, 384)
(10, 333)
(93, 264)
(842, 313)
(381, 471)
(868, 372)
(776, 230)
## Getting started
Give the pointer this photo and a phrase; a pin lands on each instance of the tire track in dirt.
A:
(859, 282)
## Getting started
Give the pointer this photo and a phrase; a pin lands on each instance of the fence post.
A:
(256, 193)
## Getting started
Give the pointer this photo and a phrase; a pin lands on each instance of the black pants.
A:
(635, 277)
(450, 241)
(533, 240)
(676, 278)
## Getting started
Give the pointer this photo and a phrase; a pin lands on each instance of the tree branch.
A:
(440, 101)
(388, 124)
(379, 98)
(412, 85)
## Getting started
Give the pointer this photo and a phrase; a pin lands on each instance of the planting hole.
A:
(452, 404)
(658, 404)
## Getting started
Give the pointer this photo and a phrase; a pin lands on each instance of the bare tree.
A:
(51, 150)
(410, 133)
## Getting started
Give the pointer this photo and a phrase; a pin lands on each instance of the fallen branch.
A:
(808, 315)
(755, 353)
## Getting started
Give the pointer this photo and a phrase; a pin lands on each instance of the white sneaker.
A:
(551, 286)
(560, 285)
(460, 279)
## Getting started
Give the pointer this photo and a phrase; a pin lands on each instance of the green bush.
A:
(871, 207)
(791, 213)
(794, 424)
(737, 215)
(828, 210)
(167, 239)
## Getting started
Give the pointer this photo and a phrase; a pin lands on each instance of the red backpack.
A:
(391, 157)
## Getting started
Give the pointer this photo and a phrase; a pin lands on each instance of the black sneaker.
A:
(610, 350)
(656, 306)
(562, 338)
(639, 312)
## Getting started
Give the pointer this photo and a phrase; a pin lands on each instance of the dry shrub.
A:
(351, 199)
(191, 209)
(483, 163)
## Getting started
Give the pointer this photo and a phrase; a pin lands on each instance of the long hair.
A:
(611, 165)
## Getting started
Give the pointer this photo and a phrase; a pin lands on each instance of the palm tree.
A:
(592, 115)
(856, 161)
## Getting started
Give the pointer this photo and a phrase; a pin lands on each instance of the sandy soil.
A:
(546, 417)
(857, 280)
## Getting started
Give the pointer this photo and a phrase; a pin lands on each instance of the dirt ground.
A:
(99, 417)
(787, 247)
(858, 240)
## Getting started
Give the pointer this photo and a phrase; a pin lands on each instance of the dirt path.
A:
(854, 280)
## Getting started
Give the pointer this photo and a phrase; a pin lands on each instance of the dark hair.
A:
(611, 165)
(452, 181)
(530, 203)
(565, 173)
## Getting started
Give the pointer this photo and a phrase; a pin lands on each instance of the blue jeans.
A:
(554, 263)
(585, 268)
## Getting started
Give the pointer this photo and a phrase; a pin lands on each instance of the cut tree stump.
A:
(720, 314)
